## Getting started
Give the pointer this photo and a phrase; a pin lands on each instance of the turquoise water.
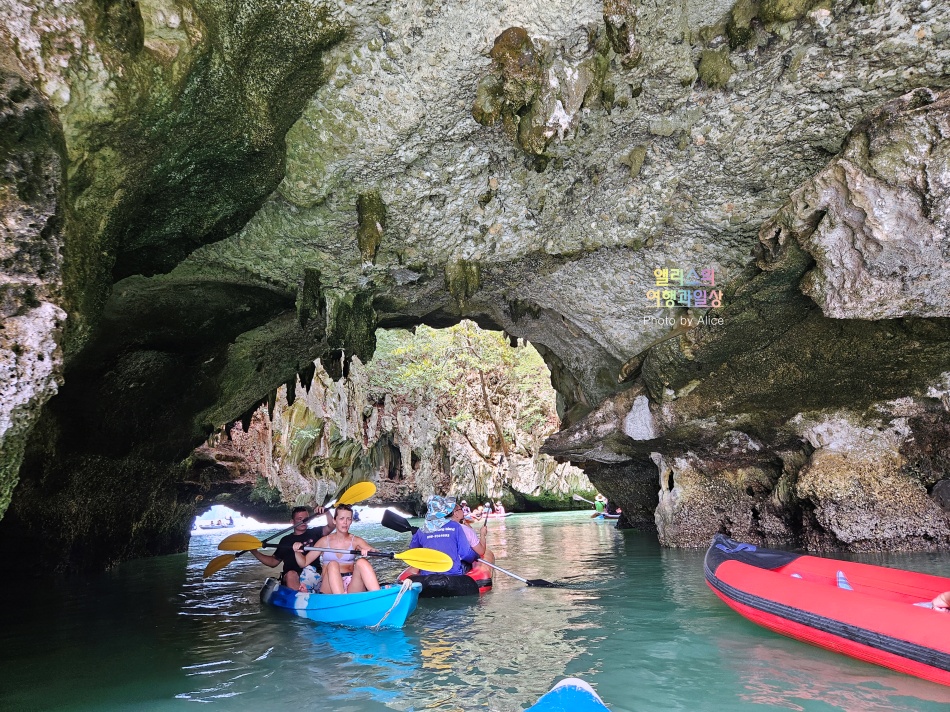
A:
(635, 620)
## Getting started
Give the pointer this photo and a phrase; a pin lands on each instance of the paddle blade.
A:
(240, 542)
(541, 583)
(357, 493)
(217, 563)
(393, 521)
(426, 559)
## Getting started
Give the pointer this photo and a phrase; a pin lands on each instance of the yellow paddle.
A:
(426, 559)
(241, 542)
(357, 493)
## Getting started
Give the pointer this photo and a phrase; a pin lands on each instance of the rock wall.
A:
(334, 433)
(796, 416)
(31, 258)
(243, 187)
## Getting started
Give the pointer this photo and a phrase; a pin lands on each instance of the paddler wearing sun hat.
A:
(439, 532)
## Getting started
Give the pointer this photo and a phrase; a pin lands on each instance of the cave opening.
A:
(453, 408)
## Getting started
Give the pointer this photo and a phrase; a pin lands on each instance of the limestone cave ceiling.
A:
(233, 189)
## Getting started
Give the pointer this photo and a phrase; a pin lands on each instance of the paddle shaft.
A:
(357, 552)
(540, 583)
(420, 558)
(309, 519)
(393, 521)
(291, 528)
(505, 571)
(578, 498)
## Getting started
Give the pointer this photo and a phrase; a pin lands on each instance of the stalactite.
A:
(247, 418)
(271, 404)
(306, 376)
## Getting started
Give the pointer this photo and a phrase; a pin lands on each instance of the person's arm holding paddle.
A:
(307, 558)
(300, 518)
(266, 559)
(364, 546)
(301, 534)
(482, 546)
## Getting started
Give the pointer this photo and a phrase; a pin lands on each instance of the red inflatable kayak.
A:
(872, 613)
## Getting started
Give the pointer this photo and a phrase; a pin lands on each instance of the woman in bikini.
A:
(342, 573)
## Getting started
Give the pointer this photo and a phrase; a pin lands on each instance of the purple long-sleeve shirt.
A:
(451, 540)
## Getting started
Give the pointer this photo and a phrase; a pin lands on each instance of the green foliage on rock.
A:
(264, 493)
(444, 365)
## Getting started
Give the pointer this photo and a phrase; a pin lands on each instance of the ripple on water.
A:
(635, 620)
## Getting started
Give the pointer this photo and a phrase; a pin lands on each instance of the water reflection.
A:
(788, 674)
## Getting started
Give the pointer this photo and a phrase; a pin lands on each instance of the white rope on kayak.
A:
(406, 585)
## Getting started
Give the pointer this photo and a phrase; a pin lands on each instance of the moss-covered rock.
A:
(462, 280)
(371, 216)
(489, 98)
(351, 328)
(634, 160)
(784, 10)
(517, 62)
(739, 26)
(714, 68)
(620, 19)
(537, 91)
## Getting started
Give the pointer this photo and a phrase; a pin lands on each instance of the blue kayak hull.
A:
(570, 695)
(388, 607)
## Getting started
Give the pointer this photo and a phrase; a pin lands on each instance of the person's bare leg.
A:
(364, 577)
(332, 580)
(486, 571)
(292, 580)
(410, 571)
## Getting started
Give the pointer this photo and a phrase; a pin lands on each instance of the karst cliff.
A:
(724, 225)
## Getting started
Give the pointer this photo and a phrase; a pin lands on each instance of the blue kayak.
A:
(388, 607)
(570, 695)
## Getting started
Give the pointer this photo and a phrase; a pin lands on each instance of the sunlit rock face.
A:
(330, 434)
(255, 185)
(788, 421)
(881, 244)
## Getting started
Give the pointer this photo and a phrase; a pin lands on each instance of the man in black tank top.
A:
(284, 554)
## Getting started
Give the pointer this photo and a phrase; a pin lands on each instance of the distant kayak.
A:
(603, 516)
(215, 526)
(388, 607)
(873, 613)
(570, 695)
(493, 515)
